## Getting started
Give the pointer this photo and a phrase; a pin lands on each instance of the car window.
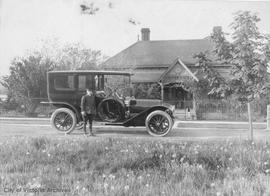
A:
(146, 91)
(99, 82)
(117, 83)
(82, 82)
(85, 81)
(64, 82)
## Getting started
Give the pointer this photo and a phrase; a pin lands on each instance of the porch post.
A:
(194, 105)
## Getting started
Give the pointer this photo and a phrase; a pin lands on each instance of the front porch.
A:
(172, 85)
(177, 82)
(182, 99)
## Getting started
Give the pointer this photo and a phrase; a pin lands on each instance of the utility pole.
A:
(250, 121)
(268, 118)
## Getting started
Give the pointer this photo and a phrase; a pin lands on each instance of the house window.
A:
(64, 82)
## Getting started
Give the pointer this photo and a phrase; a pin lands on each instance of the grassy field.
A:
(105, 166)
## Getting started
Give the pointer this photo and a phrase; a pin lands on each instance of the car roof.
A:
(108, 72)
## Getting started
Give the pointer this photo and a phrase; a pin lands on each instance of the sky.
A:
(27, 24)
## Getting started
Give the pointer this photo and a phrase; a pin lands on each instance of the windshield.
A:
(119, 84)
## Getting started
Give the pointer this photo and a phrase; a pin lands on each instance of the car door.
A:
(62, 87)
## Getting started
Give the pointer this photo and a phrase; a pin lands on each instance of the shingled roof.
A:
(158, 53)
(156, 75)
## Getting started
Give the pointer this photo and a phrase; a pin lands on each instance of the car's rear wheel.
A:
(63, 120)
(158, 123)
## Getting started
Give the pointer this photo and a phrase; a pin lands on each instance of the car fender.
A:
(65, 105)
(139, 119)
(164, 108)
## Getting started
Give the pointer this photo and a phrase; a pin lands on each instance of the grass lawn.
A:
(105, 166)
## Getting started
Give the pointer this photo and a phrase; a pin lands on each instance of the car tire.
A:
(158, 123)
(64, 120)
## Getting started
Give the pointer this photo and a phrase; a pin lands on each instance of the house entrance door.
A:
(177, 96)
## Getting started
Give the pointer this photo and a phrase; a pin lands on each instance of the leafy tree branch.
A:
(248, 55)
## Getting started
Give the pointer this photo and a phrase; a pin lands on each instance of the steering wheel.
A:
(101, 94)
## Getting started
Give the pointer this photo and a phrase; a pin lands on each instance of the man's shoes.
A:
(91, 134)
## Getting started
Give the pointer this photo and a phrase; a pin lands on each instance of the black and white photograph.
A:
(135, 97)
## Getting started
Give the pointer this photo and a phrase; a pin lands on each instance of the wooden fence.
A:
(229, 110)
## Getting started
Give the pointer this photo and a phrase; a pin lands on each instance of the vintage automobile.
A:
(114, 103)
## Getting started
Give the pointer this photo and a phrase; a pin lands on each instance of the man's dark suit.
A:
(88, 106)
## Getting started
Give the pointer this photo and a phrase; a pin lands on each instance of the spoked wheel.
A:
(63, 120)
(158, 123)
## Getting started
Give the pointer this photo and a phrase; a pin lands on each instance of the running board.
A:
(137, 120)
(115, 124)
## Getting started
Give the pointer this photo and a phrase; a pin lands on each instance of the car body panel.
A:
(65, 89)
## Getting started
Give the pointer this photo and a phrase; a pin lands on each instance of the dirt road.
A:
(182, 130)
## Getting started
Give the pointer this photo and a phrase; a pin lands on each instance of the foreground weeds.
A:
(105, 166)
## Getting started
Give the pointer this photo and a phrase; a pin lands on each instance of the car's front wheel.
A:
(63, 120)
(158, 123)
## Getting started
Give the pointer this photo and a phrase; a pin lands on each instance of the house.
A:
(169, 63)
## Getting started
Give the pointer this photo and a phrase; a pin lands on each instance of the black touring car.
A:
(114, 103)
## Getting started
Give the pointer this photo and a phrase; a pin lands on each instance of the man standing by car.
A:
(88, 110)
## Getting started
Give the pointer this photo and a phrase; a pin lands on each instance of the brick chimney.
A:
(145, 34)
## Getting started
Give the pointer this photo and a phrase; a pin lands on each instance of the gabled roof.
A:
(158, 53)
(178, 62)
(157, 75)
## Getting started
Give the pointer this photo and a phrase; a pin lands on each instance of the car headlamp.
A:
(127, 102)
(172, 108)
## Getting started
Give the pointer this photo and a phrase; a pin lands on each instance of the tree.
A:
(78, 57)
(71, 56)
(248, 55)
(249, 62)
(26, 82)
(218, 85)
